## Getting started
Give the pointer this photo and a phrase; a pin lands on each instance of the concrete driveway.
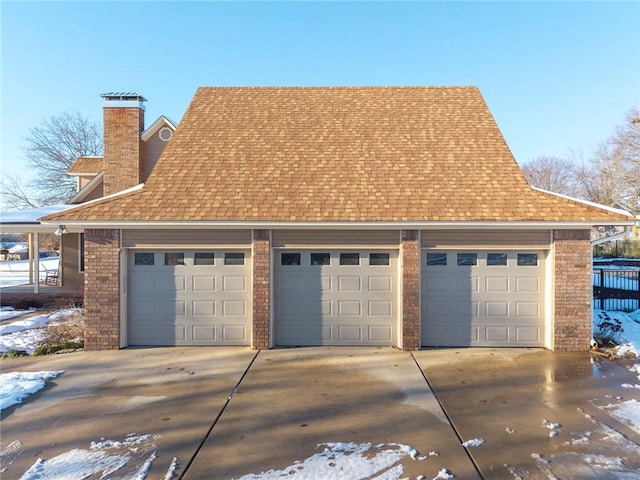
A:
(232, 412)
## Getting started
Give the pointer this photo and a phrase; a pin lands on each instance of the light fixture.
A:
(61, 230)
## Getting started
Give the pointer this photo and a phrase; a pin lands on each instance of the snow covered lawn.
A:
(26, 335)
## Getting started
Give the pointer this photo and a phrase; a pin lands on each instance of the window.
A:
(81, 250)
(467, 259)
(174, 258)
(320, 259)
(140, 258)
(349, 259)
(165, 134)
(378, 259)
(496, 259)
(436, 259)
(234, 258)
(203, 258)
(289, 259)
(527, 259)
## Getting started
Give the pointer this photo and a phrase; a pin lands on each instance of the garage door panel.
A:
(528, 309)
(380, 309)
(464, 309)
(344, 301)
(232, 308)
(203, 308)
(234, 283)
(497, 284)
(498, 301)
(234, 333)
(466, 284)
(350, 333)
(380, 333)
(498, 334)
(349, 284)
(438, 285)
(203, 332)
(528, 284)
(447, 335)
(380, 284)
(496, 309)
(528, 335)
(348, 308)
(191, 303)
(179, 308)
(203, 283)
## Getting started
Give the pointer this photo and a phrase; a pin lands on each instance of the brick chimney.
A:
(123, 115)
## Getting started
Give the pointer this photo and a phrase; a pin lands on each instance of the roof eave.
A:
(407, 225)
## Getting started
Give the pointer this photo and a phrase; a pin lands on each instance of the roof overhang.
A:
(88, 188)
(427, 225)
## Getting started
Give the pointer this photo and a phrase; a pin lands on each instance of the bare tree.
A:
(612, 175)
(15, 195)
(50, 149)
(551, 173)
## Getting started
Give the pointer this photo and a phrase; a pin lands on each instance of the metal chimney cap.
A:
(123, 96)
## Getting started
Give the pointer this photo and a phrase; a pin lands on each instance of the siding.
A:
(179, 238)
(485, 239)
(356, 238)
(151, 151)
(70, 260)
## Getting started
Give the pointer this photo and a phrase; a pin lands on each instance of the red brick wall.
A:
(122, 148)
(410, 290)
(573, 290)
(102, 289)
(261, 288)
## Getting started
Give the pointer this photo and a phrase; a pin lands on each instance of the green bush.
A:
(47, 348)
(13, 354)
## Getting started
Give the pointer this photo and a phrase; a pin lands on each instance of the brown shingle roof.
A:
(86, 165)
(337, 154)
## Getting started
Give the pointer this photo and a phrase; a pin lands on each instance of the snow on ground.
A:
(16, 386)
(7, 313)
(17, 272)
(627, 326)
(26, 335)
(348, 461)
(132, 457)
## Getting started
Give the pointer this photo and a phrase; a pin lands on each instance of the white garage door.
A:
(482, 298)
(329, 297)
(188, 297)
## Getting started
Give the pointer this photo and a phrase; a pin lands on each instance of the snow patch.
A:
(16, 386)
(474, 442)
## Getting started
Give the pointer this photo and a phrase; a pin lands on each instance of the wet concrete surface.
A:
(172, 394)
(539, 413)
(294, 400)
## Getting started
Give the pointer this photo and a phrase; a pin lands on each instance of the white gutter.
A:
(610, 238)
(386, 225)
(586, 202)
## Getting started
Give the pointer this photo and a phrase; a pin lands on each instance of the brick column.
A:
(573, 290)
(410, 254)
(102, 289)
(261, 253)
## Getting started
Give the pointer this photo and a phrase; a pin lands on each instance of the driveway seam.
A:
(215, 421)
(453, 427)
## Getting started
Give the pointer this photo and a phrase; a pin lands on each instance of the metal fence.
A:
(616, 289)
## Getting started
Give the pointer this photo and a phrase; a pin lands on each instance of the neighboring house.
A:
(392, 216)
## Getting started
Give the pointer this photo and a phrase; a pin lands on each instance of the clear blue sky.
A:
(556, 75)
